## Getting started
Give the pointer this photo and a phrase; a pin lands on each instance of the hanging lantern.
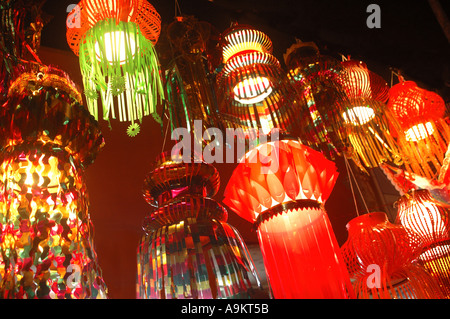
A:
(47, 138)
(281, 187)
(381, 259)
(315, 76)
(364, 117)
(188, 250)
(252, 87)
(190, 90)
(115, 43)
(421, 116)
(418, 212)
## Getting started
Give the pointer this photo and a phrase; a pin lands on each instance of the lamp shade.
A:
(253, 90)
(421, 214)
(381, 258)
(188, 250)
(115, 43)
(285, 203)
(47, 138)
(364, 118)
(421, 115)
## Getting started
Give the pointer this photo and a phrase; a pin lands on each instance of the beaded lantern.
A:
(381, 258)
(47, 138)
(115, 40)
(281, 187)
(366, 122)
(421, 214)
(421, 116)
(253, 89)
(188, 250)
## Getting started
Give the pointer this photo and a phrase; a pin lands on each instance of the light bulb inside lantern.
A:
(115, 47)
(419, 132)
(359, 115)
(252, 90)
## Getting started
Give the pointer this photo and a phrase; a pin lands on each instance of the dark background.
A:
(410, 39)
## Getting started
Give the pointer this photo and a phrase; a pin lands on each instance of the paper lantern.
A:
(188, 250)
(364, 117)
(381, 259)
(47, 138)
(115, 41)
(418, 212)
(421, 116)
(281, 187)
(252, 88)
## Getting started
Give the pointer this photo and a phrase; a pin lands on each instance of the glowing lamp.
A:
(115, 41)
(365, 120)
(252, 88)
(381, 258)
(47, 138)
(281, 188)
(421, 116)
(421, 214)
(188, 250)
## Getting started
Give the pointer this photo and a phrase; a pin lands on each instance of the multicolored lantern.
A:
(420, 213)
(366, 121)
(381, 259)
(252, 88)
(421, 116)
(115, 42)
(188, 250)
(281, 187)
(316, 78)
(47, 138)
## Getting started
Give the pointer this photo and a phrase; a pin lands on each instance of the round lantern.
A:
(115, 41)
(281, 188)
(421, 116)
(188, 250)
(421, 214)
(381, 258)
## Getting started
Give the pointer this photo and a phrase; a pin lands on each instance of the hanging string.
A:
(177, 9)
(165, 134)
(350, 172)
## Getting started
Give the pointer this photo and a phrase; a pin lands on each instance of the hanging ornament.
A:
(421, 116)
(47, 138)
(115, 41)
(252, 88)
(381, 259)
(364, 118)
(188, 250)
(421, 214)
(315, 77)
(281, 187)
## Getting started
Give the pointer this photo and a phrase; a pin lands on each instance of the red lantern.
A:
(281, 187)
(418, 212)
(381, 259)
(421, 116)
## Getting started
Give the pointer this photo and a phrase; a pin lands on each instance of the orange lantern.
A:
(381, 259)
(421, 116)
(420, 213)
(281, 187)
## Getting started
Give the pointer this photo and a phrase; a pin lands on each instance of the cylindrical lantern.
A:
(188, 250)
(115, 41)
(252, 88)
(421, 116)
(381, 259)
(281, 187)
(364, 117)
(47, 138)
(418, 212)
